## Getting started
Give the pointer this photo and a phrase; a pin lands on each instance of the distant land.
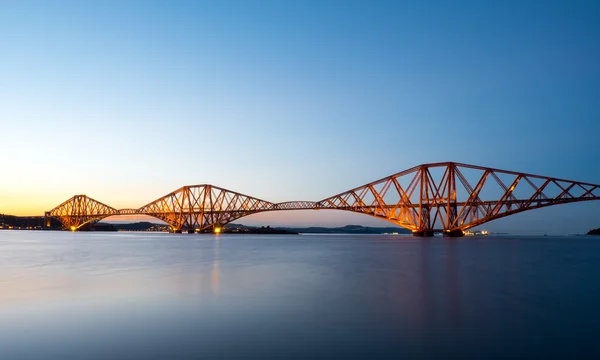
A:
(348, 229)
(594, 232)
(38, 223)
(240, 228)
(137, 226)
(12, 222)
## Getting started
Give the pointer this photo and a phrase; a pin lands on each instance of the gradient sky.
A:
(126, 101)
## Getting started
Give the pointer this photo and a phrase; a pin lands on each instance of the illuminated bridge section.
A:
(201, 207)
(452, 197)
(295, 205)
(440, 197)
(129, 211)
(80, 210)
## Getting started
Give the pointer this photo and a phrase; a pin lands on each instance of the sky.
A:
(126, 101)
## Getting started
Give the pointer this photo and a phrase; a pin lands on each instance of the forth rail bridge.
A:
(443, 197)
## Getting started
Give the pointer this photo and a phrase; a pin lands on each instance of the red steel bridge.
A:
(443, 197)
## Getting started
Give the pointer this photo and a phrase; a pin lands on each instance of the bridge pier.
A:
(425, 233)
(454, 233)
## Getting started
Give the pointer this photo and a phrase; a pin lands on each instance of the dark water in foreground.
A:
(159, 296)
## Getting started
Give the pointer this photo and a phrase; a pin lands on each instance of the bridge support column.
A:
(47, 222)
(454, 233)
(425, 233)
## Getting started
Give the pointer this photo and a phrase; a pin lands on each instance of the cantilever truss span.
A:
(80, 210)
(453, 197)
(447, 197)
(203, 206)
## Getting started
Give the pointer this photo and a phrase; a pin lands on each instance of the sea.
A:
(139, 295)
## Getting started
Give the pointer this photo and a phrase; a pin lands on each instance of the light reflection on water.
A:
(154, 296)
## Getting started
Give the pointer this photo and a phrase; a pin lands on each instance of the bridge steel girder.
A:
(79, 211)
(438, 197)
(200, 207)
(443, 197)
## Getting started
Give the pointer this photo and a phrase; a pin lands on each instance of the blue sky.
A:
(128, 100)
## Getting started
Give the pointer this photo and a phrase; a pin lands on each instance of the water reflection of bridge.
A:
(446, 197)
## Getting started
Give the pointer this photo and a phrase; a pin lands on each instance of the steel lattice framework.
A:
(202, 206)
(446, 197)
(80, 210)
(438, 197)
(295, 205)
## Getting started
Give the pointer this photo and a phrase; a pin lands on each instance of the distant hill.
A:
(594, 232)
(142, 225)
(137, 226)
(348, 229)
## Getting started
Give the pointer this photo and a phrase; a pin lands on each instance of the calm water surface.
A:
(164, 296)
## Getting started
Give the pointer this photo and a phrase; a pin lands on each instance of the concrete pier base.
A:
(423, 233)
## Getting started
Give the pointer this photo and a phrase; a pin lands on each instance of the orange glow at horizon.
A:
(33, 199)
(27, 204)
